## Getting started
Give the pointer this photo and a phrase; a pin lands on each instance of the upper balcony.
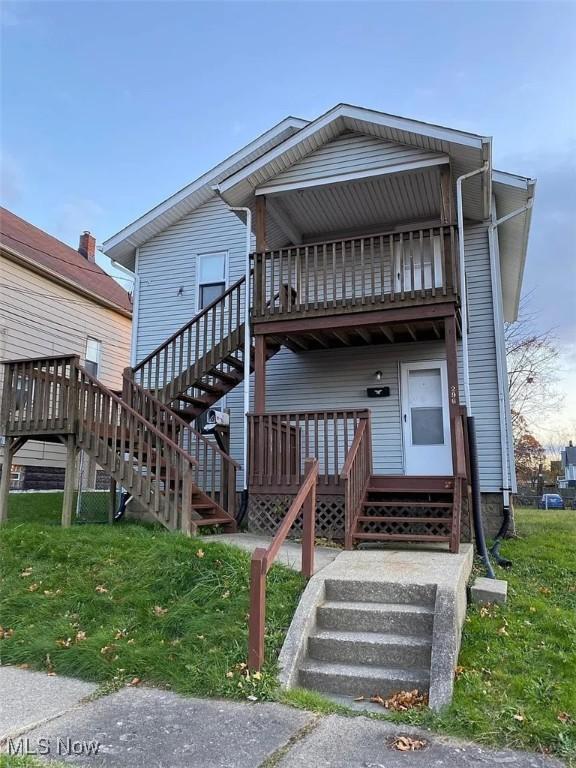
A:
(409, 268)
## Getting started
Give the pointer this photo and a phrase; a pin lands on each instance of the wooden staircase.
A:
(177, 475)
(202, 361)
(411, 509)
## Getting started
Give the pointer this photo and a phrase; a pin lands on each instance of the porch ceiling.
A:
(373, 204)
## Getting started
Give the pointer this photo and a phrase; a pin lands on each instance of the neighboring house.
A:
(569, 467)
(387, 254)
(357, 300)
(57, 301)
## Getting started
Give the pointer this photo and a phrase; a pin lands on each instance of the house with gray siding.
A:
(368, 263)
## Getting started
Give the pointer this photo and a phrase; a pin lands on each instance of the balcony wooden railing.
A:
(262, 560)
(278, 441)
(39, 396)
(356, 274)
(356, 476)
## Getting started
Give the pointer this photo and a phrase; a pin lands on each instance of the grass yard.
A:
(134, 602)
(516, 685)
(111, 604)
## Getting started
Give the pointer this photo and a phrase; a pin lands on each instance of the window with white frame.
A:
(211, 277)
(93, 354)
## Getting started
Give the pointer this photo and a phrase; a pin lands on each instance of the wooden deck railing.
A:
(461, 460)
(278, 441)
(356, 476)
(39, 396)
(356, 274)
(262, 560)
(214, 471)
(178, 362)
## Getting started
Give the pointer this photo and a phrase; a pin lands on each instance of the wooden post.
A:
(309, 525)
(5, 479)
(447, 213)
(186, 525)
(260, 374)
(112, 501)
(257, 620)
(69, 482)
(452, 370)
(260, 223)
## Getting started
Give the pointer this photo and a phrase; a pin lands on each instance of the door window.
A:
(426, 413)
(410, 256)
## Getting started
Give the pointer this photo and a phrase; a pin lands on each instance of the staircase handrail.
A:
(356, 474)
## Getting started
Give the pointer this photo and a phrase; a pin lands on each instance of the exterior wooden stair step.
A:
(228, 378)
(409, 503)
(410, 491)
(400, 519)
(234, 362)
(197, 402)
(212, 389)
(398, 536)
(213, 521)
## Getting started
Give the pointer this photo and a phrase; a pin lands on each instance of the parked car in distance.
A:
(551, 501)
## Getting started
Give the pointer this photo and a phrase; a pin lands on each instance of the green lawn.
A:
(172, 612)
(517, 679)
(111, 604)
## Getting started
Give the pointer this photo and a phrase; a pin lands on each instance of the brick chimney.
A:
(87, 246)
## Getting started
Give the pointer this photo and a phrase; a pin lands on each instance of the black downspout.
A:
(476, 504)
(502, 533)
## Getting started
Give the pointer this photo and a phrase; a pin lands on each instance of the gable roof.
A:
(56, 260)
(121, 246)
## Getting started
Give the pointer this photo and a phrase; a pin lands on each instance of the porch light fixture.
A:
(378, 375)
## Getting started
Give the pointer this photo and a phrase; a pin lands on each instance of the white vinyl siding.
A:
(167, 266)
(324, 379)
(351, 153)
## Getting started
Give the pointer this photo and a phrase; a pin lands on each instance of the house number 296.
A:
(453, 395)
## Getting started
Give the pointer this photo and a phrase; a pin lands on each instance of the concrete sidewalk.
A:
(56, 719)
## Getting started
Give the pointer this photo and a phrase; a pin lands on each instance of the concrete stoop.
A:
(374, 623)
(369, 641)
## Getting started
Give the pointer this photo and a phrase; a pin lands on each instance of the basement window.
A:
(211, 277)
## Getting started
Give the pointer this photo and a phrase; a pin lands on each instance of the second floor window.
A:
(93, 352)
(211, 277)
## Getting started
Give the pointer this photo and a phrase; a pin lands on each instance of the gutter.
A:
(501, 366)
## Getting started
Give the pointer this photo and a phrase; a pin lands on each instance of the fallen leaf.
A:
(101, 589)
(33, 587)
(135, 681)
(503, 631)
(5, 633)
(159, 611)
(406, 743)
(26, 572)
(229, 674)
(226, 594)
(120, 634)
(65, 643)
(80, 636)
(459, 671)
(200, 553)
(545, 590)
(519, 717)
(564, 717)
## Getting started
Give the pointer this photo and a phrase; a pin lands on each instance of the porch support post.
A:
(69, 481)
(447, 210)
(259, 374)
(9, 451)
(452, 370)
(260, 223)
(112, 500)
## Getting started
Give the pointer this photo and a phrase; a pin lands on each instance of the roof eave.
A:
(124, 242)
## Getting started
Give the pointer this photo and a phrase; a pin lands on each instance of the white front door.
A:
(425, 418)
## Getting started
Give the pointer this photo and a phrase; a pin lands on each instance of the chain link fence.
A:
(94, 502)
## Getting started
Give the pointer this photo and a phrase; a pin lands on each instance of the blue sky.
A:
(110, 107)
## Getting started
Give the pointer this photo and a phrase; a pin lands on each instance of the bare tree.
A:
(532, 357)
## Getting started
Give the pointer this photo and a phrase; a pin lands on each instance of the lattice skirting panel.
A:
(401, 526)
(266, 512)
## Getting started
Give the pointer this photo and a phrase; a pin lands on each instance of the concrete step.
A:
(360, 680)
(374, 648)
(397, 618)
(349, 590)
